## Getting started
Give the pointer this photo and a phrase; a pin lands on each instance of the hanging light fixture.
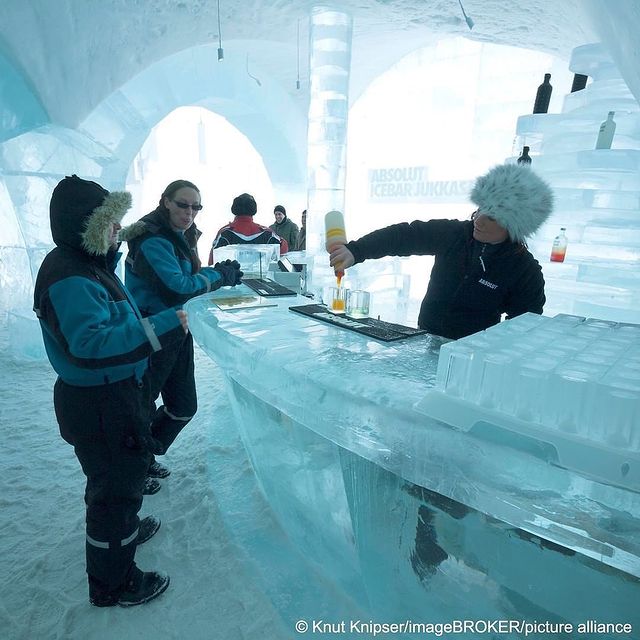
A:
(220, 49)
(467, 19)
(298, 59)
(250, 75)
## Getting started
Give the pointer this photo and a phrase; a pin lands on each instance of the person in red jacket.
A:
(243, 230)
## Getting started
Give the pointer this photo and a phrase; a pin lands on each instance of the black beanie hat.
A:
(281, 209)
(244, 205)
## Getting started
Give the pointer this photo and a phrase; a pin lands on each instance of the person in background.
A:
(163, 271)
(284, 227)
(482, 266)
(301, 243)
(243, 230)
(99, 345)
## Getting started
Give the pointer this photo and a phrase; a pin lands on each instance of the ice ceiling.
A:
(75, 53)
(82, 82)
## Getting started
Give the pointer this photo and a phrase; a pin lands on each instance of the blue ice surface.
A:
(402, 516)
(20, 109)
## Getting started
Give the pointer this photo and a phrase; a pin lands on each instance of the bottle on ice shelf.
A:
(524, 158)
(579, 82)
(543, 95)
(605, 134)
(559, 247)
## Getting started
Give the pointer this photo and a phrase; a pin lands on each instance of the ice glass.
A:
(337, 299)
(532, 383)
(358, 303)
(456, 375)
(495, 377)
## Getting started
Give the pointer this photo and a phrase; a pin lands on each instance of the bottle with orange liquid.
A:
(559, 247)
(335, 234)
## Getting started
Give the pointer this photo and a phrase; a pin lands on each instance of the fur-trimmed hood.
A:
(157, 223)
(132, 231)
(95, 238)
(81, 214)
(154, 223)
(517, 198)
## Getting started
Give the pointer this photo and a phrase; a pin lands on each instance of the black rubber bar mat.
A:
(385, 331)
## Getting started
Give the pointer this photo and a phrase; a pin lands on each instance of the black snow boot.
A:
(148, 528)
(142, 587)
(158, 470)
(151, 486)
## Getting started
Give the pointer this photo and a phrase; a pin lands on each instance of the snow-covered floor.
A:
(44, 591)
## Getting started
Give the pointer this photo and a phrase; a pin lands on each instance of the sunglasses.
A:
(184, 205)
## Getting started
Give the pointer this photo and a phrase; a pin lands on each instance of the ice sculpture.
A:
(410, 516)
(597, 194)
(254, 259)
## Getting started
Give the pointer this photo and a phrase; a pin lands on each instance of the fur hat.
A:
(244, 205)
(81, 213)
(517, 198)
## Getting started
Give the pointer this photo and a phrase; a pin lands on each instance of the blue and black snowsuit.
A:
(163, 270)
(99, 344)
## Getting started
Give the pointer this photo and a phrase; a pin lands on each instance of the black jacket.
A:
(466, 293)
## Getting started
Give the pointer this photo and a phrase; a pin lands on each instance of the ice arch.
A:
(20, 109)
(104, 144)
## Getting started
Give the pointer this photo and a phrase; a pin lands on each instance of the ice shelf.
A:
(375, 492)
(597, 193)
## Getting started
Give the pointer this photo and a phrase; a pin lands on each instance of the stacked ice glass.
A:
(568, 374)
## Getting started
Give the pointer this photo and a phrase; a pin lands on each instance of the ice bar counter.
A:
(495, 477)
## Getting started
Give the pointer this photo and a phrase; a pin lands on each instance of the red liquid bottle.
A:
(559, 247)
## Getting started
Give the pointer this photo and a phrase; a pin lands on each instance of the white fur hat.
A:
(517, 198)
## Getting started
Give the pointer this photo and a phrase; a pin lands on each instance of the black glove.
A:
(230, 272)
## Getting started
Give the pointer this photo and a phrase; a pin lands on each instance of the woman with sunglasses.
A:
(163, 271)
(482, 267)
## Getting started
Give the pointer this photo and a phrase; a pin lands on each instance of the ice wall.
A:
(20, 109)
(597, 194)
(35, 156)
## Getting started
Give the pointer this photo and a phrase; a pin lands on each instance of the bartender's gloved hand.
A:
(230, 272)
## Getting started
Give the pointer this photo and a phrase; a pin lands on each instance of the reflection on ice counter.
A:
(404, 505)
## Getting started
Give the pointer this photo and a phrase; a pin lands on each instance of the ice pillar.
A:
(330, 60)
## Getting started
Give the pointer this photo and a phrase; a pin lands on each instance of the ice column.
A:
(330, 60)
